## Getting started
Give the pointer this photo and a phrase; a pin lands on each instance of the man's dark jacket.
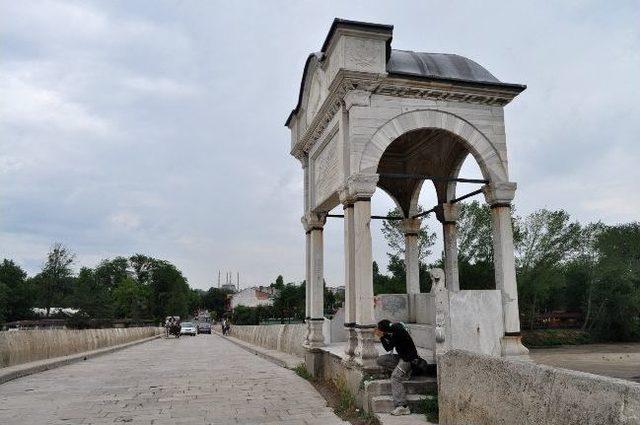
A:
(397, 337)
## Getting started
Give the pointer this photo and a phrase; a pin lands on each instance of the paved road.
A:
(616, 360)
(192, 380)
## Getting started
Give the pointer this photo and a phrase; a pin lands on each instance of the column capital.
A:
(356, 98)
(313, 221)
(410, 226)
(447, 213)
(303, 157)
(304, 160)
(358, 187)
(500, 193)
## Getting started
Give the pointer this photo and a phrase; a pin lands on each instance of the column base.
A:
(366, 354)
(512, 347)
(352, 344)
(316, 338)
(307, 328)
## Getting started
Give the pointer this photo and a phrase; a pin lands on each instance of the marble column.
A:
(360, 188)
(349, 281)
(499, 197)
(411, 227)
(448, 215)
(315, 224)
(307, 287)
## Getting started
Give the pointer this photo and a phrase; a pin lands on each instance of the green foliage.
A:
(4, 302)
(91, 296)
(131, 299)
(347, 407)
(56, 277)
(616, 293)
(289, 302)
(279, 283)
(429, 407)
(475, 247)
(392, 232)
(18, 293)
(301, 371)
(215, 300)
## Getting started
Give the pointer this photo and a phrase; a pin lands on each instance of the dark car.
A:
(204, 328)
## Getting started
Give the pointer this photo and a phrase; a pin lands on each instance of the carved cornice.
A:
(343, 82)
(347, 81)
(438, 90)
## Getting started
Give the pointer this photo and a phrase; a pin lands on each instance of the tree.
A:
(289, 302)
(110, 273)
(91, 297)
(19, 294)
(475, 247)
(548, 240)
(56, 275)
(392, 232)
(142, 266)
(215, 300)
(131, 299)
(4, 302)
(169, 291)
(279, 283)
(616, 294)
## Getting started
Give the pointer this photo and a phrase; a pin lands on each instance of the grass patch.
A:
(429, 406)
(347, 407)
(301, 371)
(554, 337)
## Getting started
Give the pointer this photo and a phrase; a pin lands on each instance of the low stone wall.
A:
(17, 347)
(285, 338)
(483, 390)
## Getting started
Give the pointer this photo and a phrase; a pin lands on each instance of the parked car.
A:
(188, 328)
(204, 328)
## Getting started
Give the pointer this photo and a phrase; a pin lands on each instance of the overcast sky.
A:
(156, 127)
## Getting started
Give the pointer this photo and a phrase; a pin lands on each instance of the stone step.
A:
(416, 385)
(384, 403)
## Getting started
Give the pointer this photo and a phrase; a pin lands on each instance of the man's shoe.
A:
(400, 411)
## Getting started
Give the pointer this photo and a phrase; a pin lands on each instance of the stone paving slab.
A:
(190, 380)
(278, 357)
(14, 372)
(413, 419)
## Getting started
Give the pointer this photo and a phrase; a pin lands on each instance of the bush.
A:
(301, 371)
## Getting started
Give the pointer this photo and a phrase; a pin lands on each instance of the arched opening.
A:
(426, 152)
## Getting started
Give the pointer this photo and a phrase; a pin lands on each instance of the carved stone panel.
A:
(327, 170)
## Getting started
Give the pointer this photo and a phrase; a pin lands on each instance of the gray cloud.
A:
(156, 127)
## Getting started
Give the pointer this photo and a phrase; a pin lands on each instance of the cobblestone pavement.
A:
(191, 380)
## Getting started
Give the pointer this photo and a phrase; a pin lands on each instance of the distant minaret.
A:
(238, 280)
(218, 279)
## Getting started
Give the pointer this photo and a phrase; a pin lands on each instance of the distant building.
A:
(336, 289)
(253, 297)
(229, 287)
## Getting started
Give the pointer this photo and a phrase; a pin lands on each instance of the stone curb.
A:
(18, 371)
(281, 359)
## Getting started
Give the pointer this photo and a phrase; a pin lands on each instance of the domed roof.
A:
(438, 65)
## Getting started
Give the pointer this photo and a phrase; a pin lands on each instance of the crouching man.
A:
(394, 335)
